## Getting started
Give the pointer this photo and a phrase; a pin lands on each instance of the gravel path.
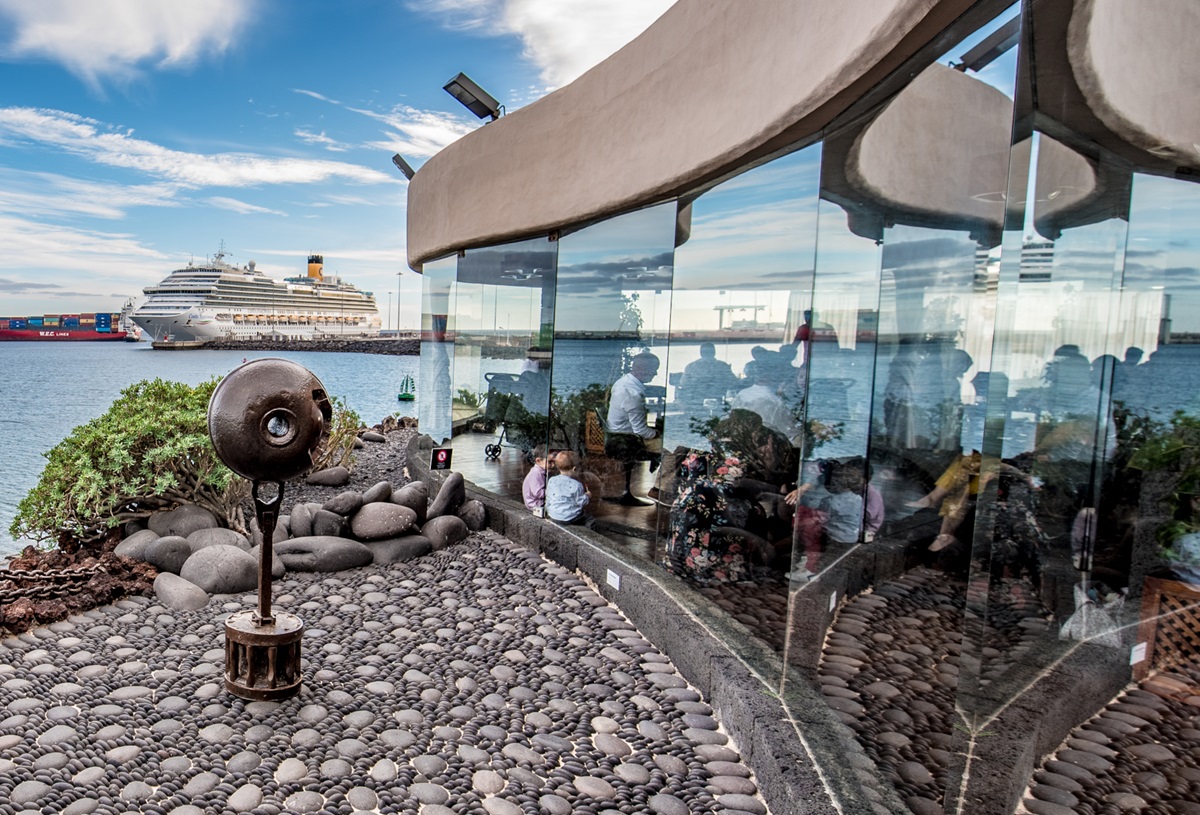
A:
(480, 680)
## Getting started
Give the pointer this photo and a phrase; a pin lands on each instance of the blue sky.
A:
(136, 135)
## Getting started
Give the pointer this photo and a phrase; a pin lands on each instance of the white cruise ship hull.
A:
(216, 301)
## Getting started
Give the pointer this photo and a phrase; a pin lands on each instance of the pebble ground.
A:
(481, 680)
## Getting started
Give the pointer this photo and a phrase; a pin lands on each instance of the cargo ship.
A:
(64, 328)
(217, 300)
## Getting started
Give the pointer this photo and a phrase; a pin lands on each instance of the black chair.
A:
(627, 449)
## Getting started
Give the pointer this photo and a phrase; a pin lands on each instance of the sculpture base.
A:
(262, 662)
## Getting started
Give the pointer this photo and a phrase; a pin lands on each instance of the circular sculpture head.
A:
(266, 419)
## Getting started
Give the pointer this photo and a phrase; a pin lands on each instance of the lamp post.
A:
(389, 309)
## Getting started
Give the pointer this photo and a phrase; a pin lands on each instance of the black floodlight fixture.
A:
(403, 167)
(473, 97)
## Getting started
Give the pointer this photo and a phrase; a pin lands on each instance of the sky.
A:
(136, 135)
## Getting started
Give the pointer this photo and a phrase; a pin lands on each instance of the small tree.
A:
(149, 451)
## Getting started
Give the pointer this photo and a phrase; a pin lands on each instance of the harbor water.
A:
(51, 388)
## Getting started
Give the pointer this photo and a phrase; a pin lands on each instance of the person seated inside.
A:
(706, 378)
(533, 488)
(566, 496)
(839, 507)
(762, 398)
(629, 438)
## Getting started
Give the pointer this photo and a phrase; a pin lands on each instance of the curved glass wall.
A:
(928, 409)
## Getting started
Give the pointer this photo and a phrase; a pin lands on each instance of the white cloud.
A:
(110, 39)
(563, 38)
(420, 133)
(315, 95)
(308, 137)
(241, 207)
(105, 145)
(55, 196)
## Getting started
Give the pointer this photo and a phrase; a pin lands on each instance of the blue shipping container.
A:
(15, 323)
(70, 322)
(35, 322)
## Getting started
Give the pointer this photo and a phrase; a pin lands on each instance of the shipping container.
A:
(103, 329)
(18, 322)
(87, 319)
(35, 322)
(3, 322)
(50, 320)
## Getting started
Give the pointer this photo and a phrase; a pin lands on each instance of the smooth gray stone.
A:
(663, 804)
(322, 554)
(444, 531)
(326, 524)
(371, 435)
(399, 550)
(301, 521)
(182, 521)
(331, 477)
(168, 553)
(135, 545)
(221, 569)
(279, 534)
(178, 594)
(277, 568)
(378, 492)
(414, 496)
(450, 497)
(244, 798)
(203, 538)
(344, 503)
(382, 520)
(474, 515)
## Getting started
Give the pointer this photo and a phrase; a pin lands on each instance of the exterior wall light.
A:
(403, 166)
(473, 97)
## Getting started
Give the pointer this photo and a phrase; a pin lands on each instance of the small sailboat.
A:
(407, 386)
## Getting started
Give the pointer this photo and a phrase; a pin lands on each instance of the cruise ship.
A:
(217, 300)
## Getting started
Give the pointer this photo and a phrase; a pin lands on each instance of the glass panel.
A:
(437, 348)
(732, 432)
(504, 316)
(612, 317)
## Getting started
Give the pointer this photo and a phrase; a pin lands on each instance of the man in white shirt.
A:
(627, 405)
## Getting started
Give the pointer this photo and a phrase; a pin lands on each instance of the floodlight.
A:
(403, 167)
(473, 97)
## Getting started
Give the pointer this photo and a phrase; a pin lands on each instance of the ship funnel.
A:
(316, 265)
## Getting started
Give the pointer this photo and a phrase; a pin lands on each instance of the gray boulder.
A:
(382, 520)
(474, 515)
(380, 492)
(344, 503)
(398, 550)
(332, 477)
(371, 435)
(301, 521)
(178, 594)
(450, 497)
(203, 538)
(221, 569)
(136, 525)
(135, 545)
(168, 553)
(280, 533)
(445, 531)
(322, 554)
(182, 521)
(277, 568)
(416, 499)
(326, 524)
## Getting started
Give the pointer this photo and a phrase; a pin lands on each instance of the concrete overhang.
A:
(709, 87)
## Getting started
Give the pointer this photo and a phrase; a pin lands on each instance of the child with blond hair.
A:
(566, 496)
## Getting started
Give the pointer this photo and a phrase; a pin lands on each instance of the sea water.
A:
(48, 389)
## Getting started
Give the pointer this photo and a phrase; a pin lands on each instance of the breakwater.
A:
(388, 346)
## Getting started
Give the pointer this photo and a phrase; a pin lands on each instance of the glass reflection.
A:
(437, 349)
(504, 316)
(609, 371)
(736, 389)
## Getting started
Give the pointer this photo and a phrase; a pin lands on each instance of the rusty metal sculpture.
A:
(266, 419)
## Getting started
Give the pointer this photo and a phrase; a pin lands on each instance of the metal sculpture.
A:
(266, 419)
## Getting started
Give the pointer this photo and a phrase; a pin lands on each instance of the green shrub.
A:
(337, 448)
(149, 451)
